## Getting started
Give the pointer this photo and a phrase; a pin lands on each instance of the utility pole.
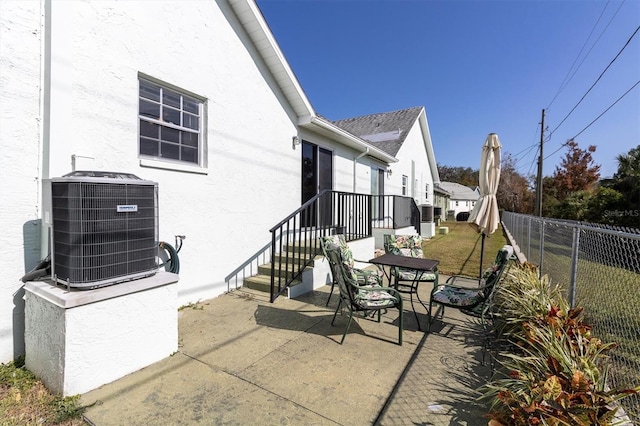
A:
(538, 208)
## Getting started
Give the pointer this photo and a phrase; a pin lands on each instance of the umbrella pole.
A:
(481, 256)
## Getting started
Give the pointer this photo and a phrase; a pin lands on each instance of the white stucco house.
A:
(405, 135)
(196, 96)
(462, 198)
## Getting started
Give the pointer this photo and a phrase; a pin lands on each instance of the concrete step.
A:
(287, 268)
(262, 283)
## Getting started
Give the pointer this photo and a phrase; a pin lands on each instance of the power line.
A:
(605, 111)
(596, 82)
(533, 161)
(524, 154)
(561, 146)
(568, 78)
(529, 148)
(595, 119)
(595, 42)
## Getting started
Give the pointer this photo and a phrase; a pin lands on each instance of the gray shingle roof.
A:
(386, 131)
(459, 192)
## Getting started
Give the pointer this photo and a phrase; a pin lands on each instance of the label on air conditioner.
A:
(125, 208)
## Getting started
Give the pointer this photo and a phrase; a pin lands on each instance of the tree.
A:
(574, 206)
(572, 183)
(514, 191)
(621, 206)
(463, 175)
(577, 172)
(603, 205)
(628, 164)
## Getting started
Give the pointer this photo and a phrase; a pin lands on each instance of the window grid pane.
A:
(169, 123)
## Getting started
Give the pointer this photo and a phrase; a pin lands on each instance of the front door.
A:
(317, 175)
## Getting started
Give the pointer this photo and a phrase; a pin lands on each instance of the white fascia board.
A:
(350, 140)
(431, 156)
(251, 18)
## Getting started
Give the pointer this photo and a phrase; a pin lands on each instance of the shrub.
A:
(556, 370)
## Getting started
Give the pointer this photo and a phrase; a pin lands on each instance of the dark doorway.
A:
(317, 175)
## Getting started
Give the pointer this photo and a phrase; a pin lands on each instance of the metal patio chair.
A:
(359, 296)
(406, 245)
(470, 300)
(363, 276)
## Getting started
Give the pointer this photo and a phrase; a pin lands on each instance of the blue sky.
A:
(477, 67)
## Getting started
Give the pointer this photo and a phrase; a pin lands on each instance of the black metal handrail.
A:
(295, 239)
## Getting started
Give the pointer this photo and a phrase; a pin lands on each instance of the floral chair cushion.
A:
(457, 296)
(368, 297)
(410, 246)
(361, 276)
(410, 275)
(405, 245)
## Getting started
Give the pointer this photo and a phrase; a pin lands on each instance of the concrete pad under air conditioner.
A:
(76, 341)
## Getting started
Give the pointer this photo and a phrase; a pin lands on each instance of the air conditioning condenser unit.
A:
(104, 228)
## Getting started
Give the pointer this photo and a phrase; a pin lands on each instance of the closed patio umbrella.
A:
(485, 216)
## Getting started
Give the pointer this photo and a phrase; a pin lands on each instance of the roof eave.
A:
(322, 125)
(426, 136)
(251, 18)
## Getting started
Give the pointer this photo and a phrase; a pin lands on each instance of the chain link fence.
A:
(598, 267)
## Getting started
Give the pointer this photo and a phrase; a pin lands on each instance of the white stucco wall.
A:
(462, 206)
(77, 97)
(90, 110)
(20, 73)
(413, 150)
(252, 176)
(77, 341)
(345, 164)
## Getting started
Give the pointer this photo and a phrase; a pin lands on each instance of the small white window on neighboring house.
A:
(170, 123)
(405, 181)
(426, 191)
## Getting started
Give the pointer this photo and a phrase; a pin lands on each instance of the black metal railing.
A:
(394, 211)
(295, 240)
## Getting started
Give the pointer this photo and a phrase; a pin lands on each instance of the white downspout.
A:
(45, 123)
(355, 162)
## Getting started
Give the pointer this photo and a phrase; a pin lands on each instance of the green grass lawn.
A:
(459, 250)
(25, 401)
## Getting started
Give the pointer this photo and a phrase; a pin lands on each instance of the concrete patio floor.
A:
(245, 361)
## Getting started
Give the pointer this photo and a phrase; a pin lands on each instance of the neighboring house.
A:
(195, 96)
(405, 135)
(462, 199)
(441, 203)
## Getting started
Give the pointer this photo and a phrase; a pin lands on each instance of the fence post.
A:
(575, 247)
(529, 239)
(541, 247)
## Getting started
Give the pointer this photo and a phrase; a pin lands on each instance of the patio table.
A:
(419, 265)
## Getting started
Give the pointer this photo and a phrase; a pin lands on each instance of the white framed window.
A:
(405, 182)
(426, 191)
(170, 123)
